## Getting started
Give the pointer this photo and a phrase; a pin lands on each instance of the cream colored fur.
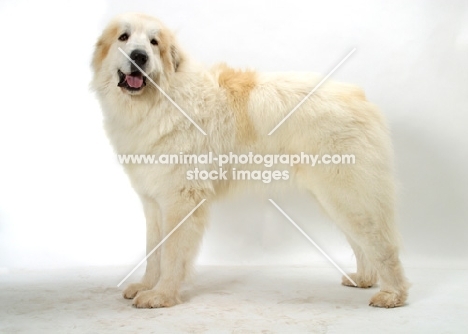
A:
(237, 110)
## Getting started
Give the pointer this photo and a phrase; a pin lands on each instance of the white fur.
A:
(337, 119)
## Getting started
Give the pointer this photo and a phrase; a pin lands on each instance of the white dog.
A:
(238, 109)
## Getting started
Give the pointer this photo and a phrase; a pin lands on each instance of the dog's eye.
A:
(123, 37)
(154, 42)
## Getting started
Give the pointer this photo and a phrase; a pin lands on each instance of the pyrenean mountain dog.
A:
(237, 110)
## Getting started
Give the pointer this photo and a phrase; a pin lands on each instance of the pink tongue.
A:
(134, 81)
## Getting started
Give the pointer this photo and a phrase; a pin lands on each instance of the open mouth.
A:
(134, 81)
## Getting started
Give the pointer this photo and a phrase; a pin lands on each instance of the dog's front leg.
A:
(178, 251)
(153, 236)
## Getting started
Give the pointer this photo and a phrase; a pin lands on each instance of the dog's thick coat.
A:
(238, 109)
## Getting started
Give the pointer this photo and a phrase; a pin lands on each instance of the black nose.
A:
(139, 57)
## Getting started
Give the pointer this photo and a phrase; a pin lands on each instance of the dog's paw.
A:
(132, 290)
(387, 299)
(361, 283)
(154, 299)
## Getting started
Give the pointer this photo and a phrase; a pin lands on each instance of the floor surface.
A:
(230, 300)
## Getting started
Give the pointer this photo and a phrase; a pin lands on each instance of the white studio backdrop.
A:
(65, 201)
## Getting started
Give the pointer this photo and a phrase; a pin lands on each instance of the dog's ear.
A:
(170, 52)
(102, 46)
(176, 58)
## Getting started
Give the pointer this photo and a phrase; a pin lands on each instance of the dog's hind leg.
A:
(382, 251)
(178, 252)
(153, 236)
(361, 200)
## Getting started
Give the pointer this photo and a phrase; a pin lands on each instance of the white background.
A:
(65, 202)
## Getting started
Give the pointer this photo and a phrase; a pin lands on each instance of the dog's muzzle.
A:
(135, 80)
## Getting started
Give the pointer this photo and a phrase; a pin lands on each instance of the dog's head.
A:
(132, 45)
